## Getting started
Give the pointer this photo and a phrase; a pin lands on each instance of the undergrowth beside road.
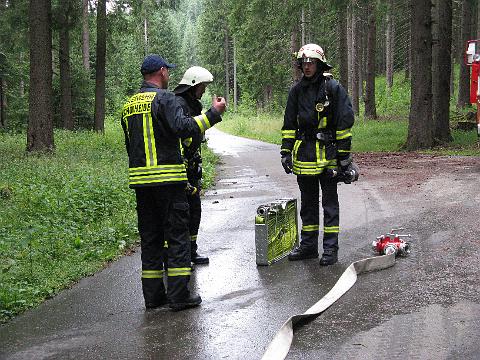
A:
(63, 216)
(370, 135)
(387, 133)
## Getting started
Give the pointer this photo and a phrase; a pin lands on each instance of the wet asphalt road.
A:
(425, 307)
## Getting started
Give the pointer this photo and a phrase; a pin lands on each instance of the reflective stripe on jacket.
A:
(154, 123)
(317, 125)
(192, 145)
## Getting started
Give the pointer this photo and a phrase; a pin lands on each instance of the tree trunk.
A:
(408, 60)
(226, 40)
(342, 58)
(420, 125)
(441, 68)
(361, 47)
(21, 85)
(389, 48)
(40, 119)
(349, 47)
(85, 37)
(355, 61)
(234, 76)
(478, 21)
(100, 65)
(145, 36)
(302, 24)
(3, 90)
(66, 113)
(464, 79)
(370, 107)
(3, 103)
(294, 46)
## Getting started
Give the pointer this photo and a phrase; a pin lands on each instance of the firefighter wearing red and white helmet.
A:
(316, 140)
(312, 53)
(188, 93)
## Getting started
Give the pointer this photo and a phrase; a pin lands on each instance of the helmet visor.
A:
(308, 60)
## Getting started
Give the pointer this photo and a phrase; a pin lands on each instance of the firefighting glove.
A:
(350, 173)
(190, 189)
(287, 163)
(348, 169)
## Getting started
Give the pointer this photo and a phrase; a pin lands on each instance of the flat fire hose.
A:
(280, 345)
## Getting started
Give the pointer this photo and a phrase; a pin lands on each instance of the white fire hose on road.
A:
(280, 345)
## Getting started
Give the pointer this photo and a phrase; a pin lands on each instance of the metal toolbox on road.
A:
(276, 230)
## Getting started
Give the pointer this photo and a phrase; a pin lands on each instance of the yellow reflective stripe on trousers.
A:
(179, 271)
(193, 237)
(202, 122)
(310, 227)
(331, 229)
(288, 134)
(152, 274)
(343, 134)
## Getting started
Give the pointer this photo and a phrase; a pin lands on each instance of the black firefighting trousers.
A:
(195, 206)
(163, 216)
(309, 212)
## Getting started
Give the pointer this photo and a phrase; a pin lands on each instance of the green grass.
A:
(63, 216)
(260, 126)
(386, 134)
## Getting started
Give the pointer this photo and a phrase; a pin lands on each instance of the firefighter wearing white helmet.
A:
(188, 93)
(312, 53)
(196, 75)
(316, 147)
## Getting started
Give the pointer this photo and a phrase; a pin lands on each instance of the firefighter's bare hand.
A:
(219, 104)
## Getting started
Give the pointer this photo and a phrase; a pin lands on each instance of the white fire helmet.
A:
(196, 75)
(309, 52)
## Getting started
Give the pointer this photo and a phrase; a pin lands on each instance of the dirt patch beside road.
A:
(406, 170)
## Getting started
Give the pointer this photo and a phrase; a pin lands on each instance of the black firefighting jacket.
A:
(317, 125)
(192, 145)
(153, 122)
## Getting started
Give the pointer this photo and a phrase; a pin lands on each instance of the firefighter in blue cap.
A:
(189, 92)
(153, 123)
(316, 143)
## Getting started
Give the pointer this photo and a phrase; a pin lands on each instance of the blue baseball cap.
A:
(153, 63)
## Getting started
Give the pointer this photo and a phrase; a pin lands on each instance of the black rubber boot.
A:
(157, 304)
(154, 293)
(198, 259)
(182, 304)
(329, 257)
(300, 253)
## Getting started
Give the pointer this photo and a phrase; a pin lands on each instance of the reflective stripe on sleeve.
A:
(288, 134)
(202, 122)
(343, 134)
